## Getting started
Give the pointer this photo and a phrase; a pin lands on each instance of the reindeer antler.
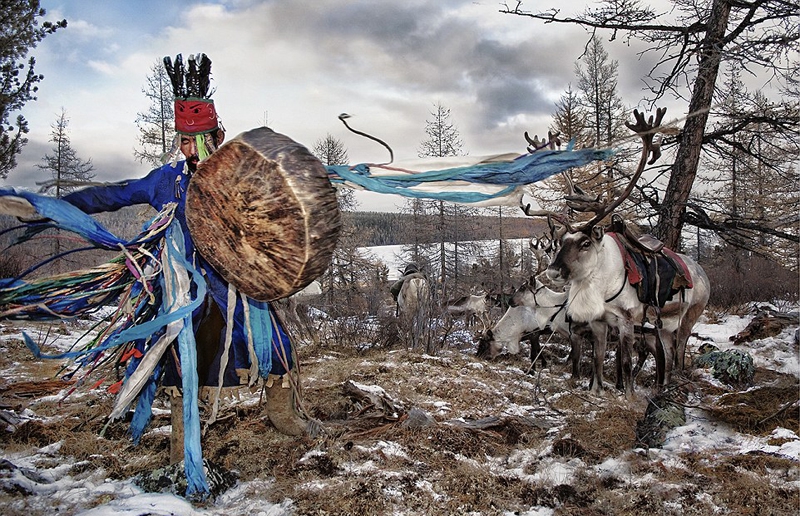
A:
(579, 200)
(543, 250)
(536, 144)
(526, 209)
(646, 131)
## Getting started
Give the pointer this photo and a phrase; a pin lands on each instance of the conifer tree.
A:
(20, 33)
(67, 169)
(157, 124)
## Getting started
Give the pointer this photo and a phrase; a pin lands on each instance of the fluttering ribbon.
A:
(489, 180)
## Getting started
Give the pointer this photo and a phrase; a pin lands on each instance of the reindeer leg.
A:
(668, 343)
(684, 331)
(599, 355)
(620, 385)
(536, 348)
(624, 352)
(575, 343)
(643, 345)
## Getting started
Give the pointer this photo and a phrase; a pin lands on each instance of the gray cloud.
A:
(302, 64)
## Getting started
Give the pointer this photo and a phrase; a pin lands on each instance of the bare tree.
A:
(21, 32)
(331, 151)
(451, 221)
(68, 170)
(691, 40)
(347, 269)
(444, 138)
(418, 234)
(755, 199)
(156, 124)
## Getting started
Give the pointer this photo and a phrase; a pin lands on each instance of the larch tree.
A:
(20, 33)
(68, 171)
(597, 82)
(450, 221)
(756, 202)
(156, 124)
(347, 269)
(331, 151)
(571, 121)
(690, 41)
(597, 77)
(592, 116)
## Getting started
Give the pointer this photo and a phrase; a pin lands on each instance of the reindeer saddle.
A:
(657, 275)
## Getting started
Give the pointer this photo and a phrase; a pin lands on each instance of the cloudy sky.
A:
(298, 65)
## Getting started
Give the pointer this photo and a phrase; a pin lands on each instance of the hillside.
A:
(406, 432)
(381, 228)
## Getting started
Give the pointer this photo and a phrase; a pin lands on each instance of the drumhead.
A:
(263, 212)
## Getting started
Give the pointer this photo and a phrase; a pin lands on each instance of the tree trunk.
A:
(684, 170)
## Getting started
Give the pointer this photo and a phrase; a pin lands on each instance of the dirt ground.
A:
(450, 434)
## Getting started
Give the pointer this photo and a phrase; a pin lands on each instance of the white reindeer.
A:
(413, 296)
(550, 310)
(518, 323)
(599, 293)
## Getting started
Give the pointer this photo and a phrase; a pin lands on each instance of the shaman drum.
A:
(262, 211)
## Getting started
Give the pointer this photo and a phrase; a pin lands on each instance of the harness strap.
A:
(553, 317)
(621, 287)
(562, 306)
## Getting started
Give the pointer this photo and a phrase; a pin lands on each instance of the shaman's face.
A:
(189, 150)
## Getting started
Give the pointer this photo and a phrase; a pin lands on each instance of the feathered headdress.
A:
(194, 108)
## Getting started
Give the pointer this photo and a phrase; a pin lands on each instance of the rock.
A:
(172, 479)
(733, 367)
(418, 418)
(662, 415)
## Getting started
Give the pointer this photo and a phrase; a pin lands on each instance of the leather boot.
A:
(281, 406)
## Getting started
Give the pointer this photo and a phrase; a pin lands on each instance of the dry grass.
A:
(481, 456)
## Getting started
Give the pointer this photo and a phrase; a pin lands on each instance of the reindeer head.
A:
(578, 256)
(523, 294)
(485, 339)
(580, 246)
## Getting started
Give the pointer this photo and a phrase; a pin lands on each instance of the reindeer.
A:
(526, 317)
(599, 294)
(550, 313)
(551, 310)
(413, 296)
(517, 324)
(474, 308)
(549, 305)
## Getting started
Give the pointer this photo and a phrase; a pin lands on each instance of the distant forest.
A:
(366, 229)
(382, 228)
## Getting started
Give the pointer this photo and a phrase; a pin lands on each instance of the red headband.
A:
(195, 116)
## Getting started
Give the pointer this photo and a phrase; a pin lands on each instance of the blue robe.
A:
(166, 185)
